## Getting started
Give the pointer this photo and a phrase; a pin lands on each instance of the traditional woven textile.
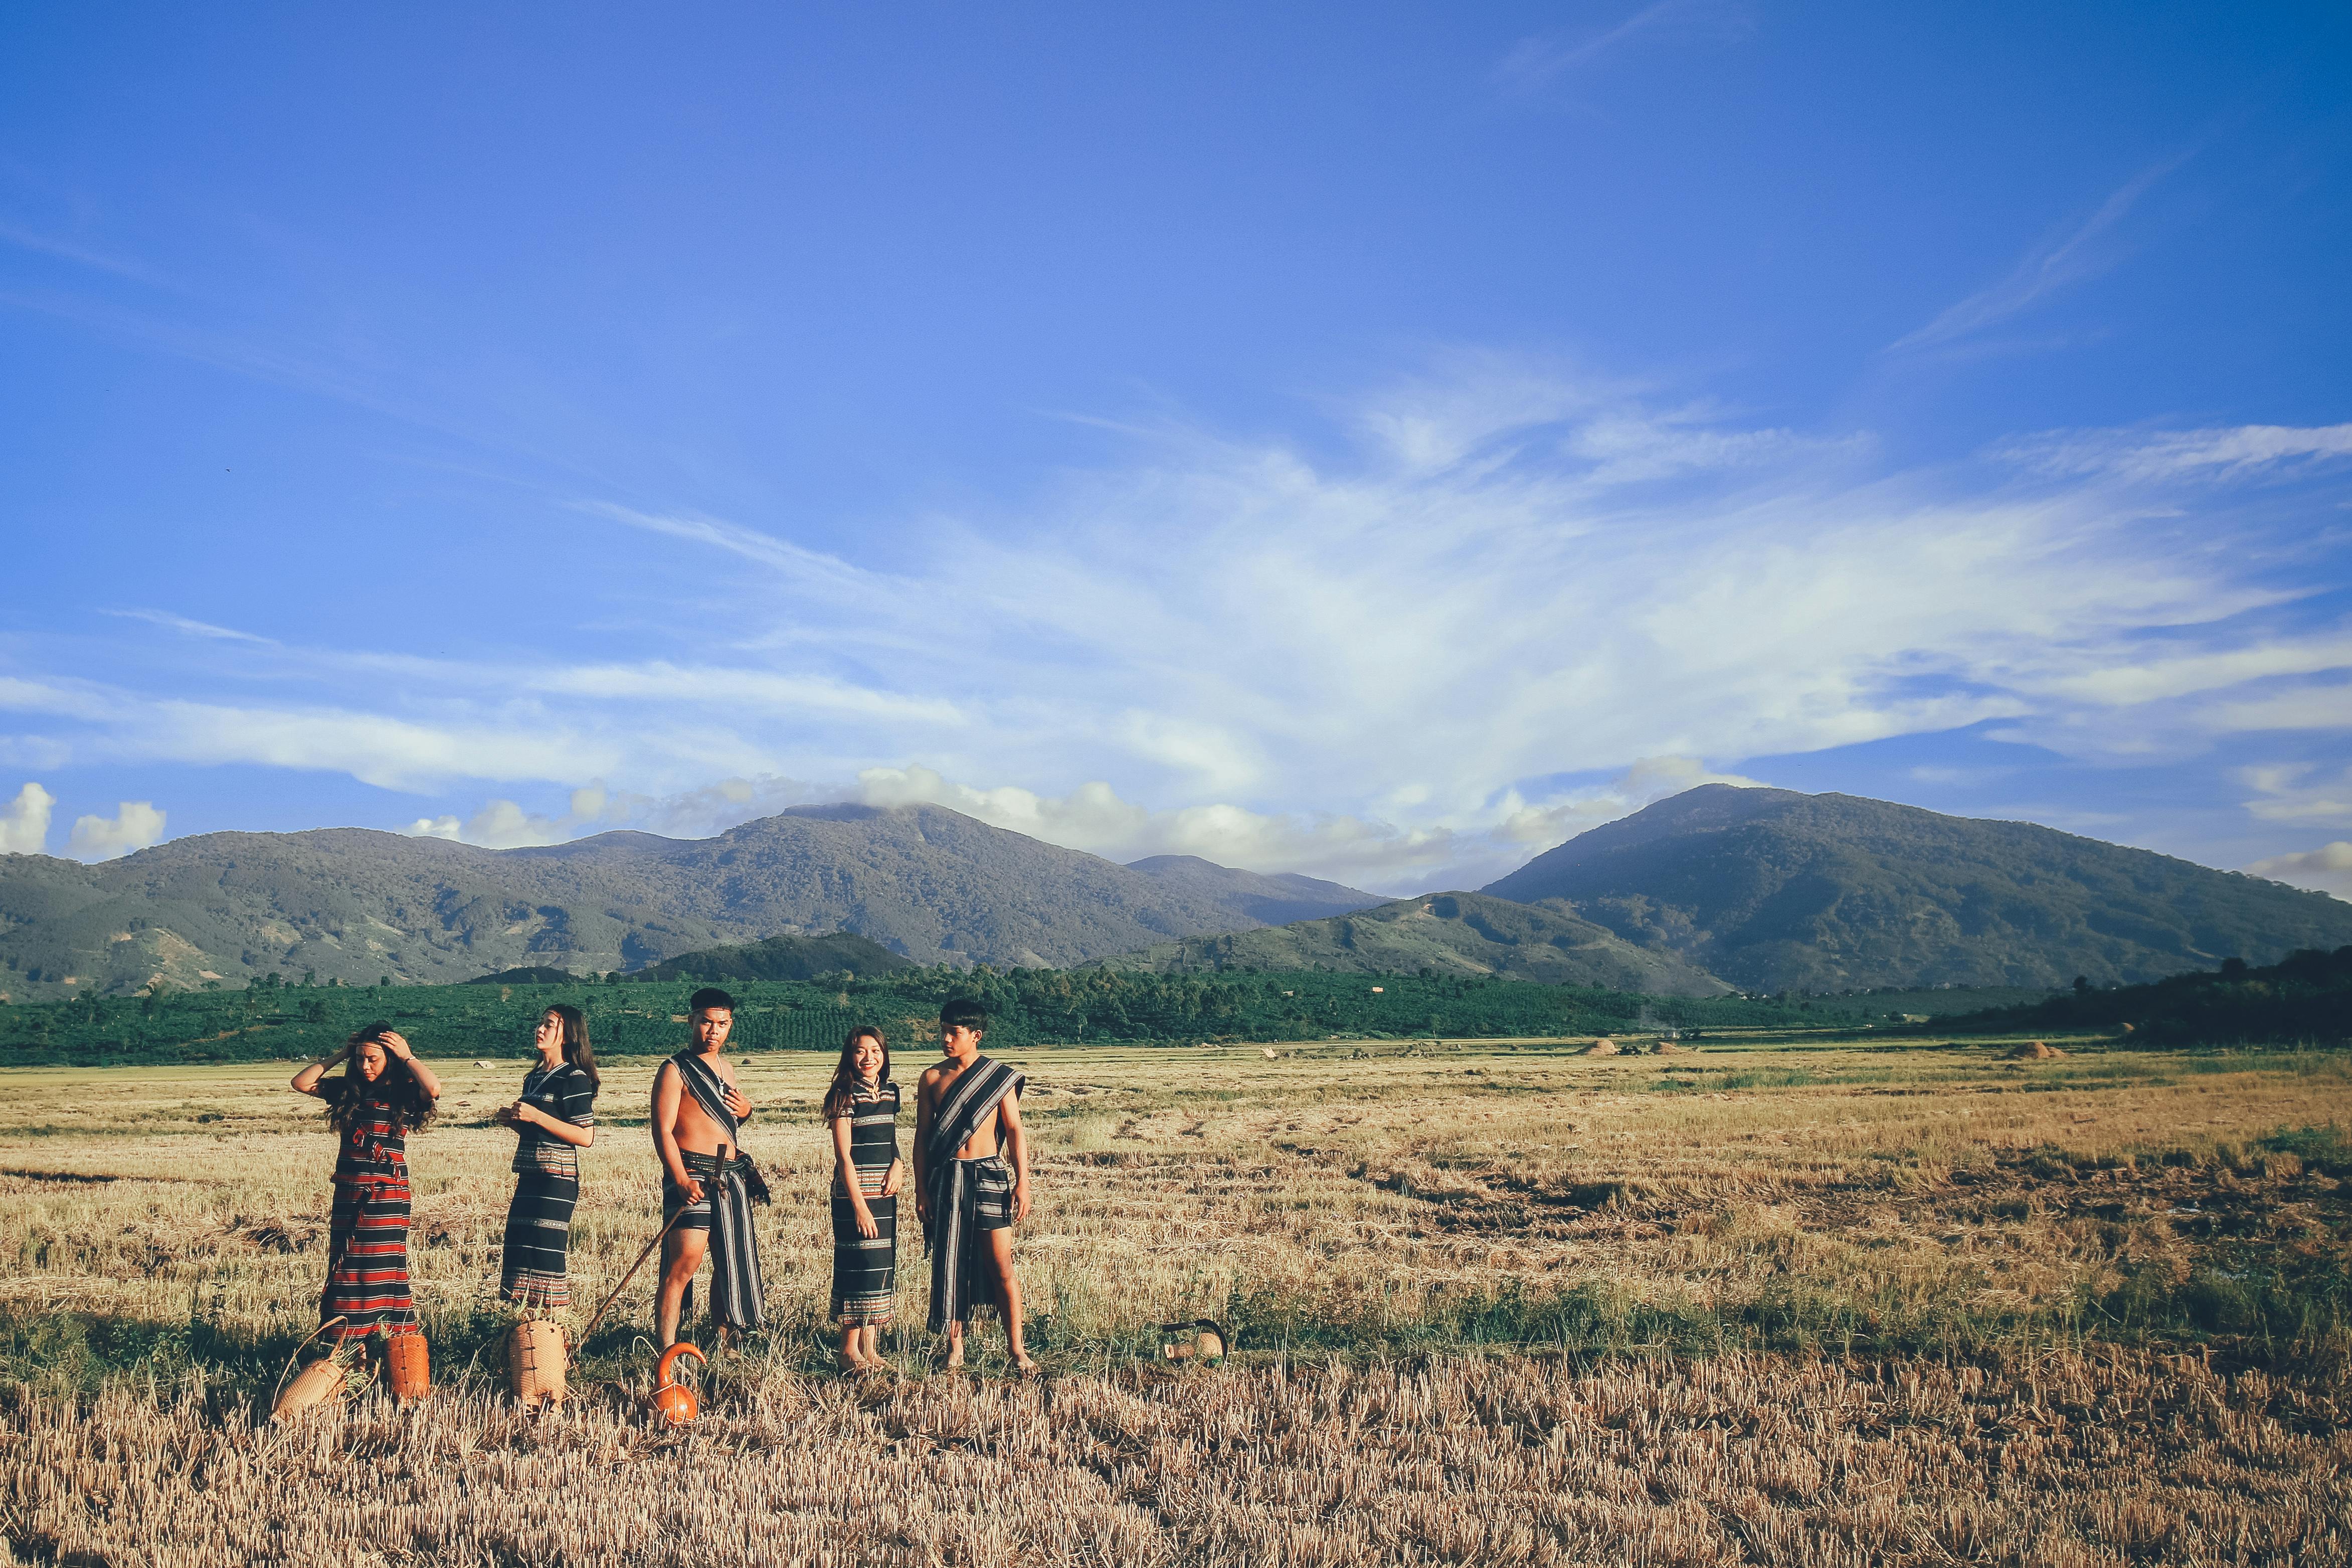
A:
(533, 1273)
(967, 1198)
(367, 1235)
(738, 1294)
(865, 1271)
(533, 1270)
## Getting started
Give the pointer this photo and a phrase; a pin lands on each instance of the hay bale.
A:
(1601, 1048)
(1668, 1048)
(2034, 1050)
(1268, 1052)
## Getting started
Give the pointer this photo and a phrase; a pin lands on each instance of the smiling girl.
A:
(861, 1111)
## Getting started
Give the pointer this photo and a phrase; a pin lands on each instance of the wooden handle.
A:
(624, 1285)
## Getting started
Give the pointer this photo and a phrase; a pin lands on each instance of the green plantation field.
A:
(272, 1021)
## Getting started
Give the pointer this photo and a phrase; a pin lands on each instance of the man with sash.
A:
(967, 1109)
(706, 1184)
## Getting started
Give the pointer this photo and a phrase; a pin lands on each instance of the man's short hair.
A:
(707, 998)
(963, 1010)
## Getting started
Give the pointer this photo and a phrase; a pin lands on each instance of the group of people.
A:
(970, 1177)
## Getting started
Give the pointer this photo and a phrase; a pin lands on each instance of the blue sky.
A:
(1375, 441)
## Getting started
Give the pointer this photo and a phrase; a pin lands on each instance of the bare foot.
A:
(1022, 1367)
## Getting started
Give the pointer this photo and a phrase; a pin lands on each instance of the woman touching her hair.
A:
(384, 1094)
(556, 1116)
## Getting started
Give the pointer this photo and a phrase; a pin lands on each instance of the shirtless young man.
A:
(697, 1110)
(967, 1111)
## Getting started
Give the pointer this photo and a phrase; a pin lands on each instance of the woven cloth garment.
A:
(738, 1294)
(532, 1272)
(533, 1269)
(567, 1093)
(968, 1199)
(367, 1235)
(865, 1271)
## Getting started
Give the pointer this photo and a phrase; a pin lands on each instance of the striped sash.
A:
(955, 1237)
(738, 1294)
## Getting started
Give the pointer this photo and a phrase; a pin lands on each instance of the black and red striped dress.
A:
(367, 1240)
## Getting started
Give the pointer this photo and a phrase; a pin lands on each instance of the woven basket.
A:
(535, 1361)
(320, 1383)
(408, 1367)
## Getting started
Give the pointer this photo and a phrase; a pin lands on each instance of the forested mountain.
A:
(929, 883)
(2305, 996)
(781, 958)
(1447, 934)
(1772, 890)
(1275, 900)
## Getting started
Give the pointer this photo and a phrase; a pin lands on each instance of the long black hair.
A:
(395, 1088)
(846, 1077)
(575, 1040)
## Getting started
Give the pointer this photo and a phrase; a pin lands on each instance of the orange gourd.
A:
(673, 1402)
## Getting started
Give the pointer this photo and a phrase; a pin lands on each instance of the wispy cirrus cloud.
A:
(1539, 61)
(2232, 452)
(2072, 254)
(1362, 665)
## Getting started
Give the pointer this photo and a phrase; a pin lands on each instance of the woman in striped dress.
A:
(862, 1108)
(556, 1118)
(383, 1096)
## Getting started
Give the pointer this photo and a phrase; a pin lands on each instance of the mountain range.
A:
(929, 884)
(1449, 933)
(1771, 889)
(1752, 888)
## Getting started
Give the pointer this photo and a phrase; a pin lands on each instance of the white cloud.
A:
(135, 825)
(1361, 850)
(1544, 824)
(2222, 453)
(2079, 252)
(1350, 664)
(1533, 62)
(24, 821)
(2298, 792)
(1094, 818)
(2328, 869)
(501, 824)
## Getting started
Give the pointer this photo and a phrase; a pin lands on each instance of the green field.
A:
(279, 1021)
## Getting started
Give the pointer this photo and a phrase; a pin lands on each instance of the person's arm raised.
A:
(307, 1081)
(398, 1047)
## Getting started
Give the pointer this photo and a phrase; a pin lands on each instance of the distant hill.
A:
(526, 976)
(2305, 996)
(1254, 896)
(352, 905)
(781, 958)
(1772, 889)
(1450, 934)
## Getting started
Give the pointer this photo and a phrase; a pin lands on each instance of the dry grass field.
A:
(1766, 1303)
